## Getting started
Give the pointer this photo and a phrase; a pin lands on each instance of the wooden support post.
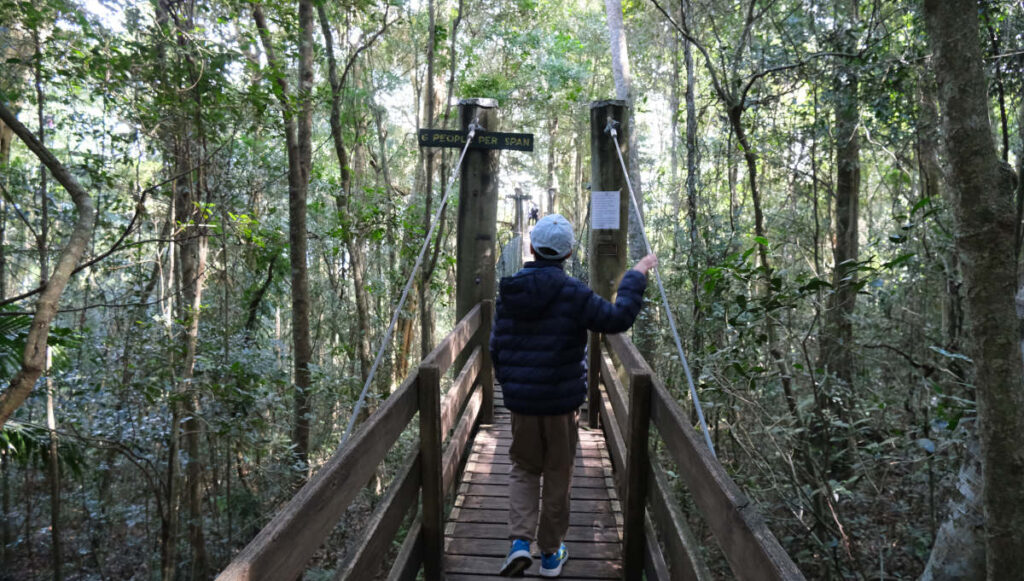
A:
(607, 251)
(637, 472)
(475, 255)
(486, 379)
(430, 463)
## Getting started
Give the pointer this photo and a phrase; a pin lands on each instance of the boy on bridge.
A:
(538, 344)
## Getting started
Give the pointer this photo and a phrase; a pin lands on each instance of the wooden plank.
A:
(459, 391)
(614, 391)
(494, 503)
(284, 546)
(449, 348)
(495, 577)
(626, 353)
(654, 560)
(616, 446)
(503, 431)
(593, 379)
(486, 375)
(501, 448)
(431, 469)
(577, 566)
(574, 534)
(410, 556)
(502, 479)
(457, 445)
(588, 461)
(636, 475)
(499, 548)
(682, 547)
(476, 467)
(387, 518)
(502, 490)
(751, 549)
(468, 515)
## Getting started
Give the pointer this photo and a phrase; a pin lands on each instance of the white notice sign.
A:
(604, 210)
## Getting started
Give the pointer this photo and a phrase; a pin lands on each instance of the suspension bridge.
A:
(448, 502)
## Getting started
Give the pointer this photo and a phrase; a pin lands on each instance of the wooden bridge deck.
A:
(476, 532)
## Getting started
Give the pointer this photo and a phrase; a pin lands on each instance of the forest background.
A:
(239, 200)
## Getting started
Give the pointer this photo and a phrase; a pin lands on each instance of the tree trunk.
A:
(933, 186)
(300, 156)
(53, 458)
(837, 340)
(552, 187)
(5, 500)
(298, 127)
(354, 241)
(985, 236)
(34, 358)
(192, 246)
(959, 550)
(643, 329)
(692, 201)
(426, 312)
(623, 78)
(674, 143)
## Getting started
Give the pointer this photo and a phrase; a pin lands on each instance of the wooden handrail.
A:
(749, 546)
(386, 520)
(458, 442)
(633, 545)
(449, 348)
(681, 545)
(751, 549)
(284, 546)
(460, 389)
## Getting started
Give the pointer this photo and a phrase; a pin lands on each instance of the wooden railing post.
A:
(593, 379)
(607, 251)
(637, 472)
(487, 369)
(431, 458)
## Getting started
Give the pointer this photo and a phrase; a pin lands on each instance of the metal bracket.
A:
(612, 127)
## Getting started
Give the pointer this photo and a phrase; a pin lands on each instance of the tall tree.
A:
(298, 127)
(42, 246)
(624, 91)
(34, 359)
(692, 178)
(643, 331)
(354, 235)
(429, 155)
(183, 144)
(982, 190)
(837, 339)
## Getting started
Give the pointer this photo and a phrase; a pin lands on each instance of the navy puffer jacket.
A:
(540, 334)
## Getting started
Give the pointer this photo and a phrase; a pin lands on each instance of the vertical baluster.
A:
(430, 454)
(637, 469)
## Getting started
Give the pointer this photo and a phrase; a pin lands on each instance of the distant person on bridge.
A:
(534, 214)
(537, 345)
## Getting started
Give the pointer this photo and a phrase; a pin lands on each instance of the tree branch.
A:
(34, 357)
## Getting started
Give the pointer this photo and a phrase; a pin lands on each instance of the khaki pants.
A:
(541, 446)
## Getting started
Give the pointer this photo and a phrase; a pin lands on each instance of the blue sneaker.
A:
(551, 564)
(518, 559)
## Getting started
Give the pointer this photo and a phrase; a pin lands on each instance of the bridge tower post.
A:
(476, 232)
(607, 249)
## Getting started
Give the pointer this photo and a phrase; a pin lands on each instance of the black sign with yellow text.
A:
(482, 139)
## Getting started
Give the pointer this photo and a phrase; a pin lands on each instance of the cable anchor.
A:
(612, 126)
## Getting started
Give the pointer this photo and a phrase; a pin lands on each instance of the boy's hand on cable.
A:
(646, 263)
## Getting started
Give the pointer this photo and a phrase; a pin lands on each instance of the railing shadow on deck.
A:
(283, 548)
(649, 505)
